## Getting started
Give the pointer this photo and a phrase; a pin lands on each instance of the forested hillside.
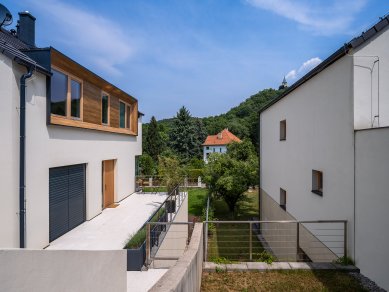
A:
(241, 120)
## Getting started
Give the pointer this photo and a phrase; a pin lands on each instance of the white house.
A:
(324, 148)
(74, 153)
(218, 143)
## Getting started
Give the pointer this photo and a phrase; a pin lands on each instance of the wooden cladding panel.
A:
(114, 112)
(93, 88)
(92, 104)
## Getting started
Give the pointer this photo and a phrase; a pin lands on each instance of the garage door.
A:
(66, 199)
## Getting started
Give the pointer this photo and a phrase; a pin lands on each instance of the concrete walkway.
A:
(143, 281)
(111, 229)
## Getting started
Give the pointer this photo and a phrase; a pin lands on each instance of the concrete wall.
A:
(371, 89)
(175, 241)
(213, 149)
(319, 136)
(281, 238)
(372, 202)
(186, 273)
(43, 270)
(52, 146)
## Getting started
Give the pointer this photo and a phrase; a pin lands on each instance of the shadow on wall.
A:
(71, 133)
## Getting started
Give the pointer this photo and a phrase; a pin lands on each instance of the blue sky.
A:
(208, 55)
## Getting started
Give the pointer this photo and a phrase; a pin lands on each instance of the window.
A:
(125, 114)
(214, 149)
(104, 109)
(283, 130)
(220, 150)
(59, 91)
(66, 95)
(207, 148)
(317, 182)
(75, 98)
(283, 199)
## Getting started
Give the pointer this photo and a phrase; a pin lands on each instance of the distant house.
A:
(218, 143)
(324, 149)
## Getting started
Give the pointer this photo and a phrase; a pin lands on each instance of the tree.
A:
(153, 142)
(171, 172)
(183, 135)
(200, 135)
(229, 175)
(146, 164)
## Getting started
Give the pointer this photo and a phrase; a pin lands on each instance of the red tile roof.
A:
(223, 138)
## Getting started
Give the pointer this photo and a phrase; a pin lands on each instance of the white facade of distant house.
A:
(337, 123)
(48, 147)
(208, 150)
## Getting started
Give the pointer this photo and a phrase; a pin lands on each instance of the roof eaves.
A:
(354, 43)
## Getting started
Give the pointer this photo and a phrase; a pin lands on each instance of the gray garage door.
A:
(66, 198)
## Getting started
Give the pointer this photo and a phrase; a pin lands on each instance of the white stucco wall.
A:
(372, 201)
(24, 270)
(319, 136)
(213, 149)
(53, 146)
(371, 89)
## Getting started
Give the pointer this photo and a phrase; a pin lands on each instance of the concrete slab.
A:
(321, 266)
(237, 267)
(258, 266)
(279, 266)
(211, 267)
(299, 266)
(143, 281)
(112, 228)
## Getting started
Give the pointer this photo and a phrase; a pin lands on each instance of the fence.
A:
(156, 182)
(317, 241)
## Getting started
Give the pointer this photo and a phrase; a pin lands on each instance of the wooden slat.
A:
(62, 121)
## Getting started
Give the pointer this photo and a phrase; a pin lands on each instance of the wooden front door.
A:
(108, 182)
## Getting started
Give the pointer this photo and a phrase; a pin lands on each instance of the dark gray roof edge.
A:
(21, 58)
(354, 43)
(140, 114)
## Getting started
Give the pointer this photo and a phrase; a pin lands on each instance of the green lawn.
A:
(197, 201)
(232, 241)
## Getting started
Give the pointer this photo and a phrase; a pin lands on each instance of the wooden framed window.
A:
(317, 182)
(105, 109)
(66, 95)
(283, 130)
(283, 199)
(124, 115)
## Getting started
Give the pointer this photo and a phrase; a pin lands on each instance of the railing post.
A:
(150, 181)
(251, 241)
(199, 182)
(148, 244)
(206, 241)
(345, 240)
(298, 242)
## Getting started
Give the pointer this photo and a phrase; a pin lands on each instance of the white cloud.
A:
(327, 18)
(304, 68)
(102, 41)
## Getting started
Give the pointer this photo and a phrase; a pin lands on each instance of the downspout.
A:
(22, 158)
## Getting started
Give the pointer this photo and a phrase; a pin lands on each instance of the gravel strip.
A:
(367, 283)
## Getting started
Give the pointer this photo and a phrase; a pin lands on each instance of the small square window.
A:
(283, 130)
(283, 199)
(207, 148)
(317, 182)
(214, 149)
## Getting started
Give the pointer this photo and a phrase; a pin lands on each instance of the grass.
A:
(197, 201)
(154, 189)
(232, 241)
(280, 281)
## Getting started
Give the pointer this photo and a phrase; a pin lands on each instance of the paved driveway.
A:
(111, 229)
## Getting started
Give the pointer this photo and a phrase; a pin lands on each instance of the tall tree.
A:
(153, 144)
(200, 135)
(183, 135)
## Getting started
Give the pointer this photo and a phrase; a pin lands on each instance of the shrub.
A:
(266, 257)
(221, 260)
(344, 261)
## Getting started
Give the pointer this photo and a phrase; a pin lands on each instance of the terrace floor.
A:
(111, 229)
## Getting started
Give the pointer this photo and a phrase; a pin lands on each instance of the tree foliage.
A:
(170, 170)
(153, 143)
(229, 175)
(147, 164)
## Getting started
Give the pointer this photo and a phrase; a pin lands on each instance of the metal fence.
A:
(166, 242)
(155, 183)
(316, 241)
